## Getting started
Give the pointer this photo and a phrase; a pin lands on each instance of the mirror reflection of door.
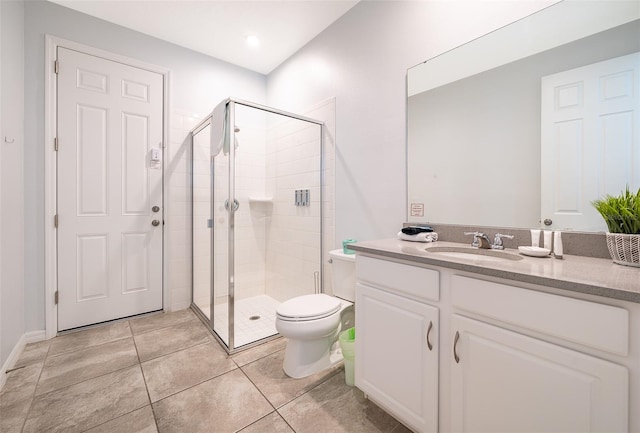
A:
(590, 144)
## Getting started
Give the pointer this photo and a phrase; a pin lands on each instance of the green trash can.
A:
(348, 345)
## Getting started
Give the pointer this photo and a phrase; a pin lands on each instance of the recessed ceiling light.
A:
(252, 41)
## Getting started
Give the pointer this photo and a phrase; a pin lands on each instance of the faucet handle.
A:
(476, 238)
(497, 241)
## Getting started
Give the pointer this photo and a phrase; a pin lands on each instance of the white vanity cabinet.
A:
(442, 350)
(397, 341)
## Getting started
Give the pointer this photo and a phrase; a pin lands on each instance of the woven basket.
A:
(624, 249)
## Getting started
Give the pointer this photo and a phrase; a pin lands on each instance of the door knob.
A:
(548, 222)
(155, 208)
(155, 223)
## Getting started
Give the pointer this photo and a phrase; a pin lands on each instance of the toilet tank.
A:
(343, 274)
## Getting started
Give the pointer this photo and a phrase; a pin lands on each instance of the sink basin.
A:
(474, 254)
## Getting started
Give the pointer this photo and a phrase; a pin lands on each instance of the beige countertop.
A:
(589, 275)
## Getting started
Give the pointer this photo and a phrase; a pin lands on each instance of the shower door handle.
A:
(236, 204)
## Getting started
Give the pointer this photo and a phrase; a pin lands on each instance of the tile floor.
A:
(165, 373)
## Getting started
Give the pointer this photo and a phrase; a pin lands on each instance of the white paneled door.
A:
(590, 141)
(109, 192)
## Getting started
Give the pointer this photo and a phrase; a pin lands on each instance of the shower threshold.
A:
(254, 319)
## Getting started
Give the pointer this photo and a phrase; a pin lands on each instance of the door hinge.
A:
(55, 297)
(55, 144)
(56, 66)
(55, 220)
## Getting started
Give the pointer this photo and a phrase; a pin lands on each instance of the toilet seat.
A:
(308, 307)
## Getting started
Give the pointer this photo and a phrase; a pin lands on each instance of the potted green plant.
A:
(622, 215)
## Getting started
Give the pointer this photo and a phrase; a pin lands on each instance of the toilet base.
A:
(303, 358)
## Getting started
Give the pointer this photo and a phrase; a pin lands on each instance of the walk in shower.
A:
(257, 177)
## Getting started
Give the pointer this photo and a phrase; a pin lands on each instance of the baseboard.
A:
(26, 338)
(179, 305)
(35, 336)
(11, 360)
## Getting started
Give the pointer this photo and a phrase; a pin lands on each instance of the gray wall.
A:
(12, 312)
(362, 60)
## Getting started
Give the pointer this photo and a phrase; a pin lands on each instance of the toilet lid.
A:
(308, 307)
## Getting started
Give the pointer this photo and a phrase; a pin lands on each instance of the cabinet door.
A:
(508, 382)
(396, 360)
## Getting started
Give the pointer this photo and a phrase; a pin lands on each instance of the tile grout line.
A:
(33, 395)
(304, 393)
(88, 347)
(260, 419)
(144, 379)
(191, 318)
(257, 359)
(308, 390)
(263, 396)
(87, 329)
(89, 378)
(172, 352)
(191, 386)
(86, 380)
(256, 387)
(276, 409)
(209, 340)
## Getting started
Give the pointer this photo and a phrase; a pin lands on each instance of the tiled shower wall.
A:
(293, 162)
(177, 212)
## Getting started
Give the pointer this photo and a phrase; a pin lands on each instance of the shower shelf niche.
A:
(261, 200)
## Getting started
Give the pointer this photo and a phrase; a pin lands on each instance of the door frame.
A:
(50, 168)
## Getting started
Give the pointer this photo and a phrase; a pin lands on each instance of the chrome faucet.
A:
(480, 240)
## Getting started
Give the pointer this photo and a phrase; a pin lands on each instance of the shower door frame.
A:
(232, 102)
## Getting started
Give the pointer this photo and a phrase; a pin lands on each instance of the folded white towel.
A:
(219, 133)
(420, 237)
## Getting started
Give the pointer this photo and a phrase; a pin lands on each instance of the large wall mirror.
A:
(527, 125)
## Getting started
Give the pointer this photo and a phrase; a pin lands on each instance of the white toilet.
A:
(311, 323)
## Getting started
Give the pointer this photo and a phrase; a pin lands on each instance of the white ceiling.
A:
(219, 28)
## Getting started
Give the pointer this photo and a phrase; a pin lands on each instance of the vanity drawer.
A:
(599, 326)
(411, 280)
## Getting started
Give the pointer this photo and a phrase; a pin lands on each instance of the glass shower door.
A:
(222, 241)
(254, 309)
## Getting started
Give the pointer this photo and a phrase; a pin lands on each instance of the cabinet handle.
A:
(429, 345)
(455, 344)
